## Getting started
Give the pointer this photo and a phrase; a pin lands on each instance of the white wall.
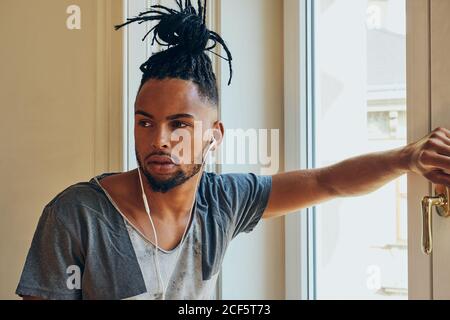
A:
(253, 29)
(61, 106)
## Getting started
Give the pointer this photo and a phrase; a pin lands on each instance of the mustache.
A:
(161, 153)
(174, 158)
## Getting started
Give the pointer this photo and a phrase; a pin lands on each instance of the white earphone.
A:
(147, 209)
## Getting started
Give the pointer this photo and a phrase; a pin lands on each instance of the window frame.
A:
(299, 146)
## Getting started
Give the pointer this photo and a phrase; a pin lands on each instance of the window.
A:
(358, 63)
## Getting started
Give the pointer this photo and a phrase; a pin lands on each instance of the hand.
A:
(430, 157)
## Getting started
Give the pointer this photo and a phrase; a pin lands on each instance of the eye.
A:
(144, 123)
(179, 124)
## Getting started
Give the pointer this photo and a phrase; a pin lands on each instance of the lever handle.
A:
(441, 202)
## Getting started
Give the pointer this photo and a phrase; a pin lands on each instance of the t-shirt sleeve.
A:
(247, 196)
(53, 265)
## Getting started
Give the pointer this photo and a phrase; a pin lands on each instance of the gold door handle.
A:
(441, 202)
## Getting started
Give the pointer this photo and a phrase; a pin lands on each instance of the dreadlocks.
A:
(186, 37)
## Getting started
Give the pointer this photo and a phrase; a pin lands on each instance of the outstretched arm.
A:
(357, 176)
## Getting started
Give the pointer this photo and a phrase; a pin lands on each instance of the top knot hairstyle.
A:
(186, 37)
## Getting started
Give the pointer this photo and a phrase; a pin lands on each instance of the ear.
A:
(218, 132)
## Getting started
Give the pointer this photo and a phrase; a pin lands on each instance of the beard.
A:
(163, 186)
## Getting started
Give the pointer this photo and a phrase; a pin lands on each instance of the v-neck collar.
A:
(97, 179)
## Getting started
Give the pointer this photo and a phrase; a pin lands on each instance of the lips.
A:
(161, 160)
(161, 165)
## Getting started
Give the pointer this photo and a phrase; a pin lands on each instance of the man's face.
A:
(172, 131)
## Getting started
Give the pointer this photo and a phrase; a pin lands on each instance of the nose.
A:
(161, 139)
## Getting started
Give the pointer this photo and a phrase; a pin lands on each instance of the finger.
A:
(442, 148)
(438, 177)
(447, 132)
(436, 160)
(441, 134)
(447, 140)
(445, 137)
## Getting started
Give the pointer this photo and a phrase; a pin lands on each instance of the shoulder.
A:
(230, 182)
(235, 187)
(82, 193)
(77, 201)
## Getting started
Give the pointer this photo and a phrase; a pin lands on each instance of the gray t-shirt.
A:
(84, 248)
(185, 282)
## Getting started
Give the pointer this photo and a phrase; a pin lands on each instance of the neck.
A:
(174, 205)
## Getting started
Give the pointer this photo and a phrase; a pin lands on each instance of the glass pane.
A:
(360, 107)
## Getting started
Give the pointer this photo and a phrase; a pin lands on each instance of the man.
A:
(161, 231)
